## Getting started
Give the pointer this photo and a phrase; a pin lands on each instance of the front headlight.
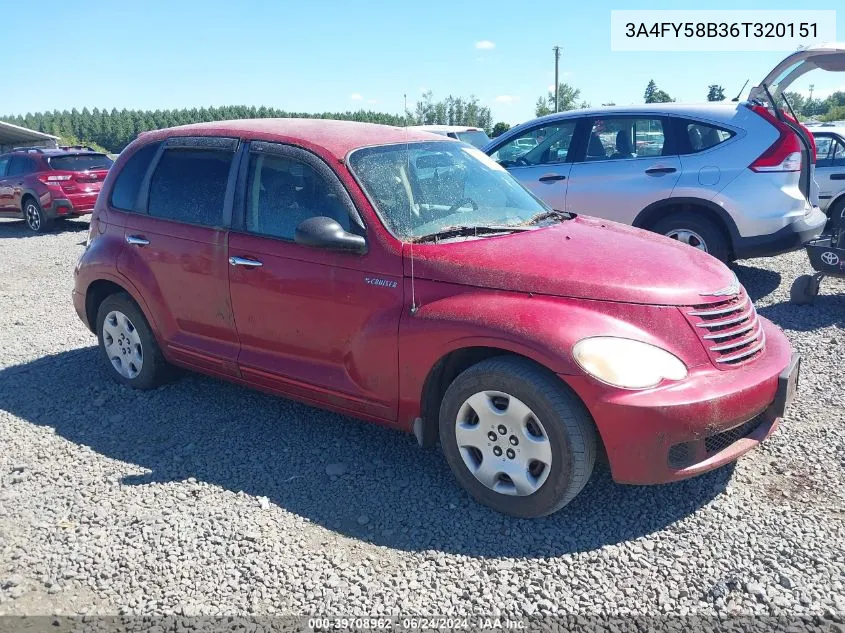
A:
(629, 364)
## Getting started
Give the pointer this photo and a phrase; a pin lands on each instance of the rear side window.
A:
(80, 162)
(4, 162)
(189, 185)
(124, 195)
(21, 165)
(701, 136)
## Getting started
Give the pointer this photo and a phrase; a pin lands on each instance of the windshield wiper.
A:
(461, 230)
(551, 213)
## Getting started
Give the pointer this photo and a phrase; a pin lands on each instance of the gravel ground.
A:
(206, 498)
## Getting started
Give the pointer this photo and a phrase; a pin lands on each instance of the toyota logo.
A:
(830, 258)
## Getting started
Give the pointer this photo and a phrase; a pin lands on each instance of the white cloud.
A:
(356, 96)
(485, 45)
(506, 99)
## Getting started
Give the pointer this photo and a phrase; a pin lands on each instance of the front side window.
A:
(124, 195)
(539, 146)
(616, 138)
(282, 192)
(702, 136)
(189, 185)
(422, 188)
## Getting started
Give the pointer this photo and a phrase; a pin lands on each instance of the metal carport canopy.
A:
(16, 136)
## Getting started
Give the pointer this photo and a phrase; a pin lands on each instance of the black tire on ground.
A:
(715, 242)
(804, 290)
(155, 370)
(34, 216)
(836, 213)
(568, 425)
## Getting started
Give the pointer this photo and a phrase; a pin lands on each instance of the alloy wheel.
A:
(32, 216)
(503, 443)
(688, 237)
(123, 344)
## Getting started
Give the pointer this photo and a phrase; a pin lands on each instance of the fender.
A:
(645, 217)
(541, 328)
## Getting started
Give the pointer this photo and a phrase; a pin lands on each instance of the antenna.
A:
(414, 306)
(739, 94)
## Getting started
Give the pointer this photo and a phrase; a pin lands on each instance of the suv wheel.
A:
(699, 232)
(516, 438)
(35, 217)
(127, 344)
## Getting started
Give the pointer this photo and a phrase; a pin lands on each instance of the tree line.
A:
(112, 130)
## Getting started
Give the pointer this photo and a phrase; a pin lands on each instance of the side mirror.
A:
(323, 232)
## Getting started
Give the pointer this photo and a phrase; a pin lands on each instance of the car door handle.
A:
(242, 261)
(552, 178)
(660, 170)
(137, 240)
(837, 176)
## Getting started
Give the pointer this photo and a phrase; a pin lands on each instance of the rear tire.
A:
(34, 216)
(836, 213)
(545, 445)
(697, 231)
(127, 344)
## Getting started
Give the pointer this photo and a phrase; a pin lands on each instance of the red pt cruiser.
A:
(407, 279)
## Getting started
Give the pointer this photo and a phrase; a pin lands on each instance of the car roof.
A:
(334, 137)
(835, 129)
(447, 128)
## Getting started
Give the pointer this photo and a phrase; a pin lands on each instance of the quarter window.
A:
(3, 163)
(702, 136)
(542, 145)
(124, 195)
(189, 185)
(620, 138)
(283, 192)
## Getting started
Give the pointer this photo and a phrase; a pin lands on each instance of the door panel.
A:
(312, 323)
(624, 168)
(830, 168)
(183, 272)
(547, 182)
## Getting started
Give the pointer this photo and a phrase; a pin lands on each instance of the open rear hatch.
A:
(769, 93)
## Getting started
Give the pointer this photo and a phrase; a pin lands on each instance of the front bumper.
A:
(789, 238)
(693, 426)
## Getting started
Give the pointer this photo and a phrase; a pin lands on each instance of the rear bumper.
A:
(79, 306)
(71, 205)
(789, 238)
(685, 429)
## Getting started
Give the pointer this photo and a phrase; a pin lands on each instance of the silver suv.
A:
(732, 179)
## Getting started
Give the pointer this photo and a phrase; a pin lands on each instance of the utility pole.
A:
(556, 49)
(811, 91)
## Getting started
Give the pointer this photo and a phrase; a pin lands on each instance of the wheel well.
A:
(25, 197)
(96, 294)
(652, 215)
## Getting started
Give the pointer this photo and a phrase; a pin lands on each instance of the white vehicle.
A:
(732, 179)
(830, 169)
(472, 135)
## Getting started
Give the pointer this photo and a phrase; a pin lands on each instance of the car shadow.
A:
(758, 282)
(14, 229)
(392, 493)
(826, 310)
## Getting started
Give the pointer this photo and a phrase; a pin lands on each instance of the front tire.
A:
(35, 218)
(696, 231)
(516, 438)
(127, 344)
(804, 290)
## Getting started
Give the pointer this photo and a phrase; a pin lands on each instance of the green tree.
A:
(567, 100)
(715, 92)
(654, 95)
(796, 100)
(500, 128)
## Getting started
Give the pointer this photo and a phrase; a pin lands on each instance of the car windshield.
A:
(474, 137)
(80, 162)
(423, 188)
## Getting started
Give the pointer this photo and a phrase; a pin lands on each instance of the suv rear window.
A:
(702, 136)
(124, 195)
(80, 162)
(189, 185)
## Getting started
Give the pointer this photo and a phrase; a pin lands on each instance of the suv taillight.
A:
(49, 179)
(785, 153)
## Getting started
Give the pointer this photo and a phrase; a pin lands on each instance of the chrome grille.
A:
(730, 329)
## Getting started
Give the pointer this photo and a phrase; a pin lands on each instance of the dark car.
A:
(404, 278)
(42, 185)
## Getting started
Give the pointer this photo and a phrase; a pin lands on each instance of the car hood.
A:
(829, 57)
(584, 258)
